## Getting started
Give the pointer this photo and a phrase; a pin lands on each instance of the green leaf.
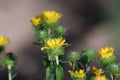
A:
(83, 59)
(59, 72)
(46, 62)
(108, 75)
(1, 48)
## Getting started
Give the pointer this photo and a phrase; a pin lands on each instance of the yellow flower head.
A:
(3, 40)
(53, 43)
(106, 52)
(97, 71)
(36, 20)
(100, 77)
(51, 16)
(79, 74)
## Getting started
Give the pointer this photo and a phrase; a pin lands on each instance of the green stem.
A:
(112, 78)
(49, 31)
(57, 60)
(49, 58)
(9, 72)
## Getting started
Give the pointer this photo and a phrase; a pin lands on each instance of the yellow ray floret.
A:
(3, 40)
(97, 71)
(53, 43)
(36, 20)
(106, 52)
(80, 74)
(51, 16)
(100, 77)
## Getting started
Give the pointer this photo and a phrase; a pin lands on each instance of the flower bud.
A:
(89, 53)
(41, 35)
(60, 30)
(73, 56)
(114, 68)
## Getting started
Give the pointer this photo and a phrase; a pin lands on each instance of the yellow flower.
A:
(79, 74)
(36, 20)
(97, 71)
(106, 52)
(3, 40)
(51, 16)
(100, 77)
(53, 43)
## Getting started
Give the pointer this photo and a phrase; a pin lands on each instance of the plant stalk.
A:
(49, 31)
(111, 76)
(9, 72)
(57, 60)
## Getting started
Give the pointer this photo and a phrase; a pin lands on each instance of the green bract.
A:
(107, 61)
(55, 51)
(51, 25)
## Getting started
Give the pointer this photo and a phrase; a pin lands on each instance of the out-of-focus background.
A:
(90, 24)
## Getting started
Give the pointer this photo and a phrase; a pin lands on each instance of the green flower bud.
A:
(41, 35)
(89, 53)
(114, 68)
(73, 56)
(107, 61)
(60, 30)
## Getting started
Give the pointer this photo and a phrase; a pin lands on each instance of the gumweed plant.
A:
(7, 60)
(49, 34)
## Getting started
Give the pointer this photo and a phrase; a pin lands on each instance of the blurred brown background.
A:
(90, 24)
